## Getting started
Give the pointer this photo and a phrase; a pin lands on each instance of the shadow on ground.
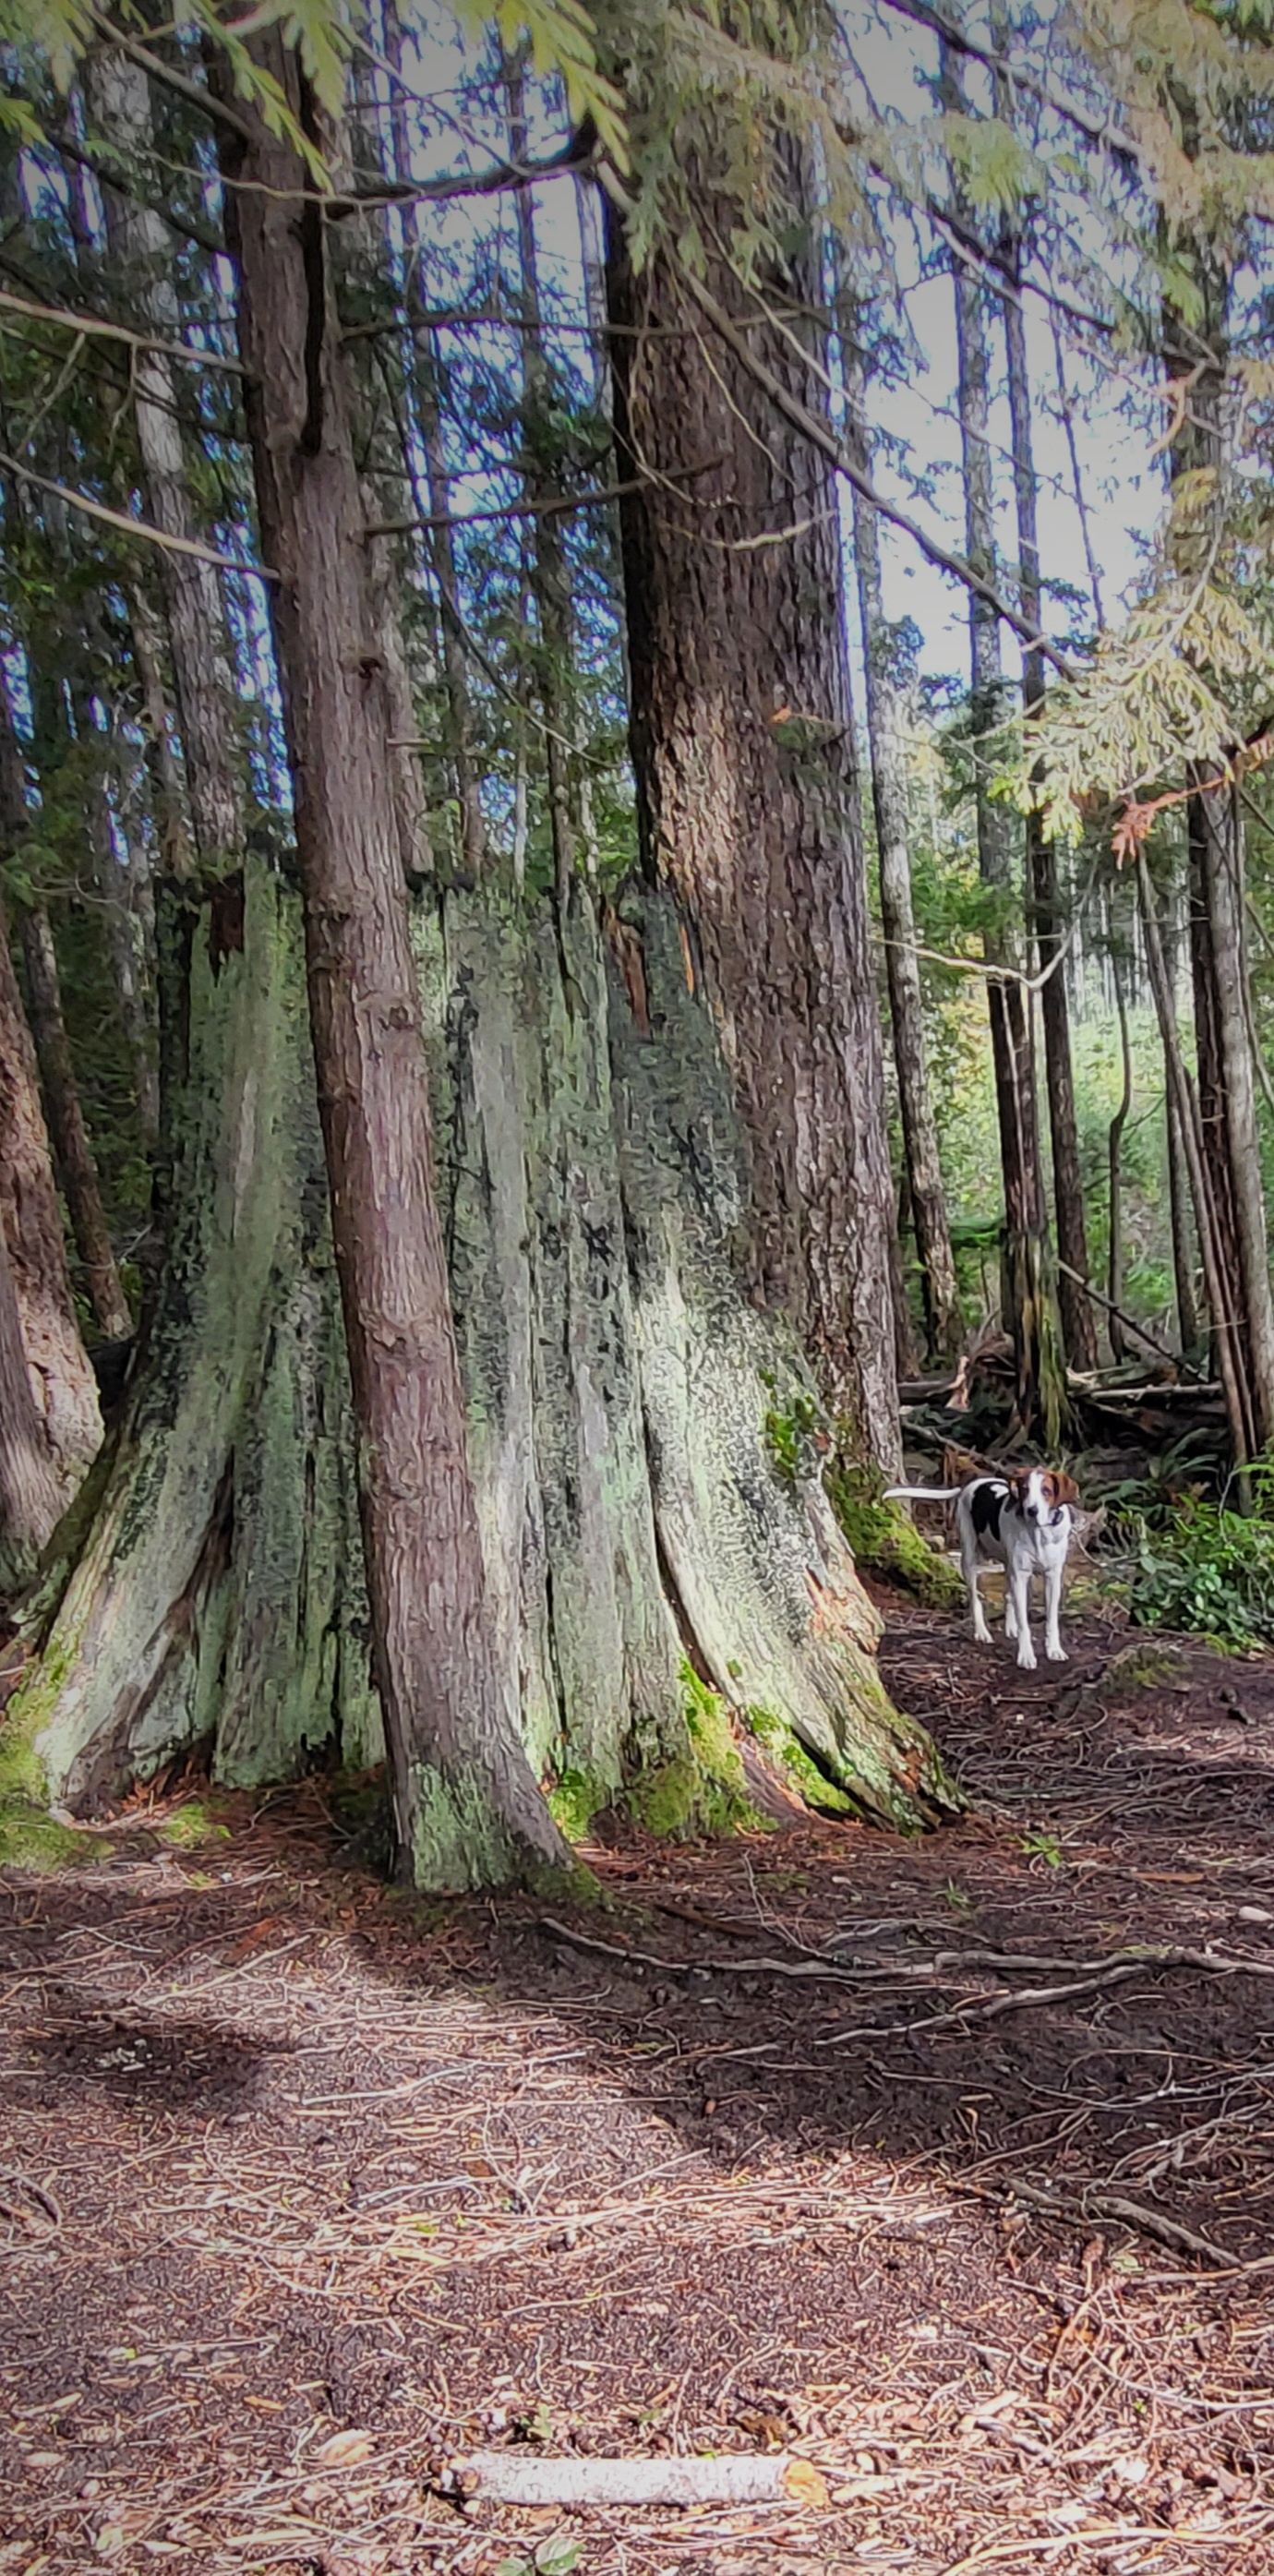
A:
(946, 2160)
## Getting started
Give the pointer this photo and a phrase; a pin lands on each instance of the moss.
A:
(190, 1825)
(573, 1802)
(881, 1537)
(703, 1791)
(807, 1779)
(32, 1840)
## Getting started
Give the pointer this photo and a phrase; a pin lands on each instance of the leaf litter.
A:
(944, 2167)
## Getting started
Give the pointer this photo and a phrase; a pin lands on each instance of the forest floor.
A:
(877, 2150)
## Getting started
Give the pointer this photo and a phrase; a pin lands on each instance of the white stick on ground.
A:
(519, 2477)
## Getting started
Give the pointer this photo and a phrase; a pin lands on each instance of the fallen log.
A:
(731, 2478)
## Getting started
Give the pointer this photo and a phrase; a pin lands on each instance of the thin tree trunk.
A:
(1227, 1088)
(550, 574)
(743, 745)
(468, 1808)
(422, 382)
(1079, 1329)
(1229, 1354)
(69, 1134)
(141, 248)
(886, 738)
(1027, 1299)
(1115, 1262)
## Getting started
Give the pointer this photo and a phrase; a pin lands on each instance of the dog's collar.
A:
(1055, 1521)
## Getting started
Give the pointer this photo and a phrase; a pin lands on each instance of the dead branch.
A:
(518, 2477)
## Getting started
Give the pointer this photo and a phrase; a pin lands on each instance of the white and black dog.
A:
(1022, 1522)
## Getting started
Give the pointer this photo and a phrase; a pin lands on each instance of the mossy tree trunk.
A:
(642, 1441)
(62, 1382)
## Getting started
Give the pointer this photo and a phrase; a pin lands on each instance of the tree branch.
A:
(88, 327)
(823, 436)
(134, 527)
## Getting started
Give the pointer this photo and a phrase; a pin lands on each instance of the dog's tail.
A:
(922, 1493)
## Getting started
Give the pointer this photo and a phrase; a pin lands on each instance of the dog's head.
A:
(1038, 1492)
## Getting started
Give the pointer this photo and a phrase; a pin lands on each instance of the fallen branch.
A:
(519, 2477)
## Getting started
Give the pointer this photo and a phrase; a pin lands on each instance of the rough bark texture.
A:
(742, 737)
(642, 1516)
(31, 1491)
(70, 1138)
(887, 741)
(467, 1804)
(141, 251)
(62, 1381)
(215, 1593)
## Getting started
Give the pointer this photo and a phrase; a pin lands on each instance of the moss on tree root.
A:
(884, 1541)
(642, 1441)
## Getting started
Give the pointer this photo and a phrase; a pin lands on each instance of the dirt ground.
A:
(949, 2165)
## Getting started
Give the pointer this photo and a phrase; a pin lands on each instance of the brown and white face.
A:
(1040, 1491)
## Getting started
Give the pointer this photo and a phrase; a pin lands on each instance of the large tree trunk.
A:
(887, 741)
(62, 1381)
(1079, 1328)
(743, 744)
(467, 1805)
(31, 1490)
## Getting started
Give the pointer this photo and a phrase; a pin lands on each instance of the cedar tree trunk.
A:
(743, 745)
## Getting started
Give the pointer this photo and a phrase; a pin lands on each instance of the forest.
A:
(636, 906)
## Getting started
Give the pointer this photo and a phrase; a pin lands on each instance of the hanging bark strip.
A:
(468, 1808)
(742, 738)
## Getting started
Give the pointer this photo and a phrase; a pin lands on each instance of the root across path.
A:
(945, 2167)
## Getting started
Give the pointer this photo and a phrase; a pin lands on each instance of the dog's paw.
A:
(1057, 1654)
(1026, 1659)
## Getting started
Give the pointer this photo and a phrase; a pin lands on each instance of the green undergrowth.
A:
(1207, 1570)
(190, 1825)
(883, 1540)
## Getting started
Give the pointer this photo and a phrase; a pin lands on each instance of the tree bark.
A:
(1079, 1329)
(1115, 1262)
(886, 738)
(31, 1490)
(69, 1134)
(1229, 1128)
(422, 382)
(550, 572)
(141, 248)
(1028, 1299)
(743, 745)
(468, 1808)
(63, 1385)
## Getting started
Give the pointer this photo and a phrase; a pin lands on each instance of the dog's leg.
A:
(1010, 1623)
(1020, 1603)
(1053, 1647)
(971, 1571)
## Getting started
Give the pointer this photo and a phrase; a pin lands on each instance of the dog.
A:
(1022, 1522)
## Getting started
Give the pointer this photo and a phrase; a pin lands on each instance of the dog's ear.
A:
(1065, 1490)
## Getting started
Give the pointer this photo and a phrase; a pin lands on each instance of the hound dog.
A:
(1022, 1522)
